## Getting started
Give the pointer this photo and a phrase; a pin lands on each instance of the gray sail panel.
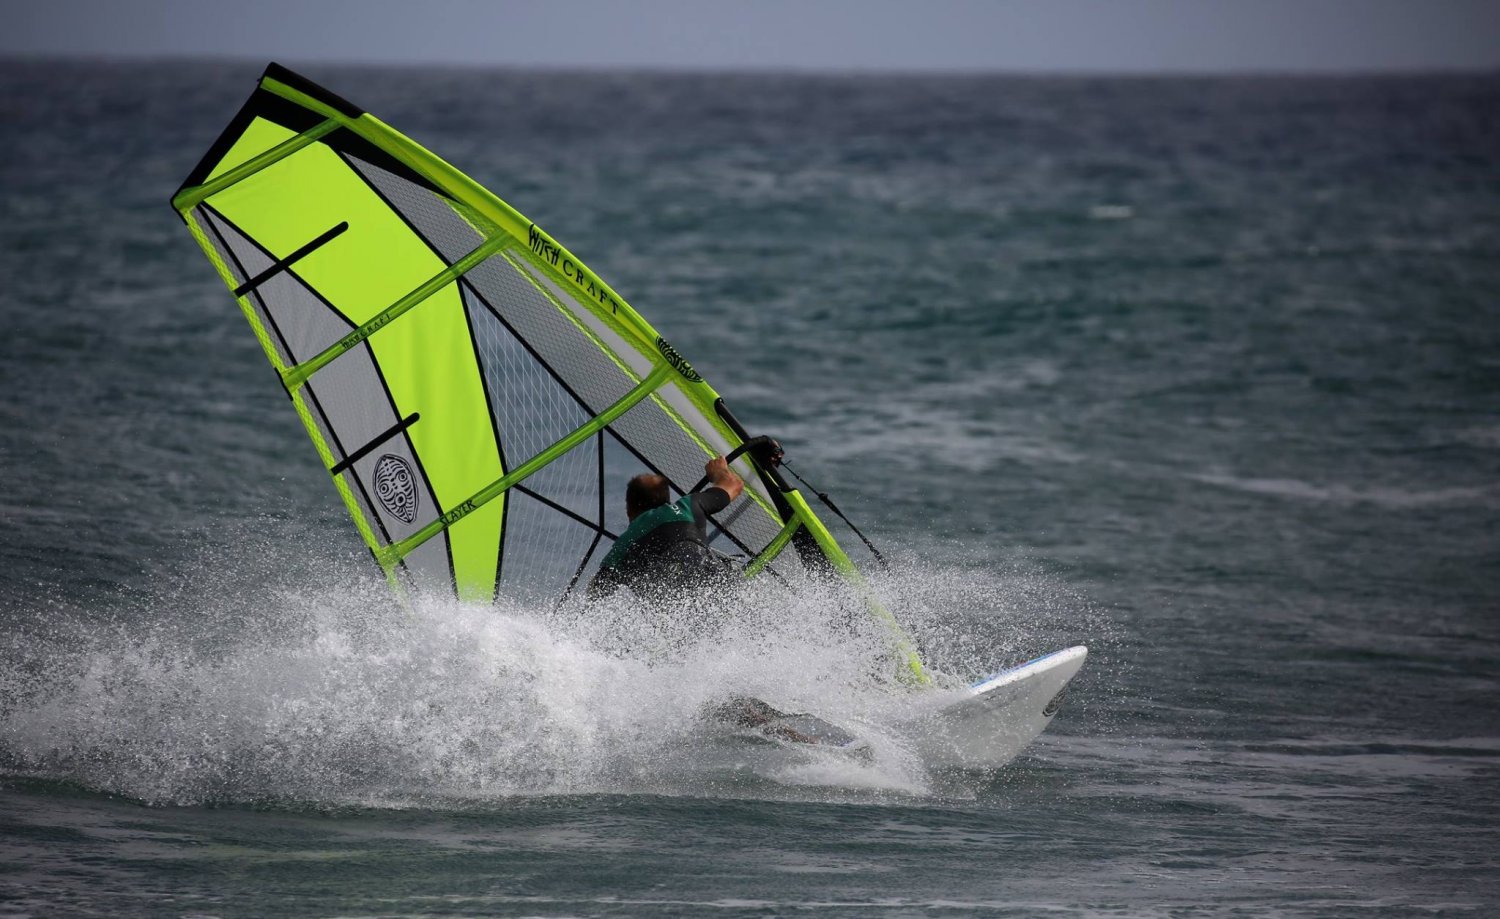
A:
(244, 260)
(532, 411)
(347, 401)
(430, 214)
(428, 569)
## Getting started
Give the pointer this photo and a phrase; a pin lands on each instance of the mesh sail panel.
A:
(546, 377)
(665, 434)
(432, 216)
(668, 432)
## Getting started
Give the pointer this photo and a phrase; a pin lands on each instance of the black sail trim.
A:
(405, 434)
(261, 104)
(489, 405)
(375, 442)
(291, 273)
(294, 117)
(303, 85)
(584, 563)
(282, 264)
(564, 511)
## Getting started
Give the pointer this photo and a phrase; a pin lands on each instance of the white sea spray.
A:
(337, 695)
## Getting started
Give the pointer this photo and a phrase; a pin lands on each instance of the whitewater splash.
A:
(338, 697)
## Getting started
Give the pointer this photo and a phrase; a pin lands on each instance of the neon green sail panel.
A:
(478, 396)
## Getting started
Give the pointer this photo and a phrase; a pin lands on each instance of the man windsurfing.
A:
(664, 551)
(664, 554)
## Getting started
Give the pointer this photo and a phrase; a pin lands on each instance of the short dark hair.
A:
(644, 492)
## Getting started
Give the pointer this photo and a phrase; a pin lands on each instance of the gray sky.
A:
(1008, 35)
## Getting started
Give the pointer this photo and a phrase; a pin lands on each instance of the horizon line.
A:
(127, 58)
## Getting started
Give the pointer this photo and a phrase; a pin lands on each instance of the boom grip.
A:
(753, 443)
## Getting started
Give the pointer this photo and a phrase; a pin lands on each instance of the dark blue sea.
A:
(1201, 373)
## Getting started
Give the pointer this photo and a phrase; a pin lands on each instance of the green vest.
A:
(681, 512)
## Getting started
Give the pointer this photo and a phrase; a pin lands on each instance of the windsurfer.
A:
(664, 555)
(664, 551)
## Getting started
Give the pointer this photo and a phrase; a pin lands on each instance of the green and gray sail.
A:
(476, 393)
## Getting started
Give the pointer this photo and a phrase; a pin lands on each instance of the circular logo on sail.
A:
(678, 362)
(396, 487)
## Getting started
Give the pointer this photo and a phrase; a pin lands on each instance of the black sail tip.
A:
(303, 85)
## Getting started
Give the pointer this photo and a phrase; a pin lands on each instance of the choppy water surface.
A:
(1201, 373)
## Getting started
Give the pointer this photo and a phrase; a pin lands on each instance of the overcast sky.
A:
(1130, 36)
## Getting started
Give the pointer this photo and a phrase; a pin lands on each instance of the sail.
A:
(476, 393)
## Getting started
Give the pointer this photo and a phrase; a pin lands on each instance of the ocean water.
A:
(1201, 373)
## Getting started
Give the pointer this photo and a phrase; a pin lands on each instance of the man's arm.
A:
(721, 476)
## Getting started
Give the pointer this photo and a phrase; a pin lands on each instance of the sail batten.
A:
(296, 376)
(190, 197)
(282, 264)
(525, 470)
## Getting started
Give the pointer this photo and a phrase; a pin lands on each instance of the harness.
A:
(664, 550)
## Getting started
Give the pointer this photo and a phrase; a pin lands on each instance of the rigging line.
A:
(823, 496)
(598, 531)
(578, 518)
(294, 377)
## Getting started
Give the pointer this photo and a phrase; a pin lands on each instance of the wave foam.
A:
(337, 697)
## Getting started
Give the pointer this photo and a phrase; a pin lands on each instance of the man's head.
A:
(645, 492)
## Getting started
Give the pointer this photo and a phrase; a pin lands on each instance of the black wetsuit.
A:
(665, 550)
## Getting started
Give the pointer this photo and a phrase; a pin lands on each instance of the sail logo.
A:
(543, 246)
(678, 362)
(460, 512)
(551, 253)
(396, 487)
